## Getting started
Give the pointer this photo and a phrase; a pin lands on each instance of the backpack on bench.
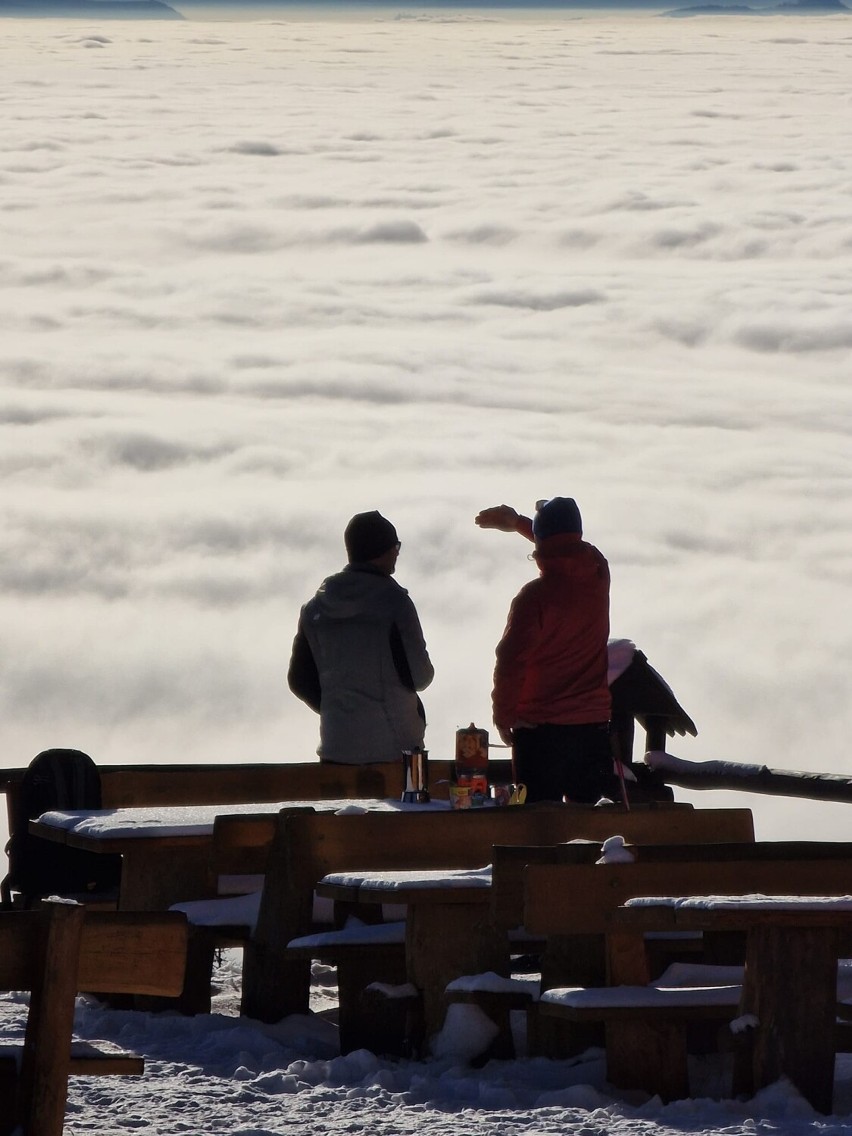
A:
(64, 780)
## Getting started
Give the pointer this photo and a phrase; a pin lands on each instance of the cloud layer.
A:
(258, 276)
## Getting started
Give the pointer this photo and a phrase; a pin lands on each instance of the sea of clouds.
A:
(257, 276)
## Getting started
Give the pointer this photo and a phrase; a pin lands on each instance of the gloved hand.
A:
(502, 517)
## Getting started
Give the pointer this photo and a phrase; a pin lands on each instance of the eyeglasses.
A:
(398, 545)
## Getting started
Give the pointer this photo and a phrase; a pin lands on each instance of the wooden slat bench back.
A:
(577, 898)
(663, 831)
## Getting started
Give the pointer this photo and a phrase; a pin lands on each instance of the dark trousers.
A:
(570, 761)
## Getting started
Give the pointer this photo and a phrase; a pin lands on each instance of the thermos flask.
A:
(415, 775)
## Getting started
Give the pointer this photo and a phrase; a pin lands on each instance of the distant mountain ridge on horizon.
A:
(786, 8)
(159, 9)
(109, 9)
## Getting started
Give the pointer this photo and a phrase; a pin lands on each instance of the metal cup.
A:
(415, 775)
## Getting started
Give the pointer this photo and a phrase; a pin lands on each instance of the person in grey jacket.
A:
(359, 656)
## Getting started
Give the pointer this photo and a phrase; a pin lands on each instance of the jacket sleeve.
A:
(523, 629)
(303, 676)
(412, 646)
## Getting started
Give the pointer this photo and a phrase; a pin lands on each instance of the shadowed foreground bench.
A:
(54, 952)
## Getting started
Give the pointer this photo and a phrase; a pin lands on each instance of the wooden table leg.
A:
(649, 1056)
(626, 959)
(791, 987)
(445, 941)
(642, 1055)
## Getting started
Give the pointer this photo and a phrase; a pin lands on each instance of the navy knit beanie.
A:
(558, 515)
(367, 536)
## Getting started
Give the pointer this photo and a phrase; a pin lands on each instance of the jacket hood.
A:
(354, 590)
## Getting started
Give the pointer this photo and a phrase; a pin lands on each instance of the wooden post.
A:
(43, 1088)
(444, 940)
(655, 732)
(274, 987)
(791, 987)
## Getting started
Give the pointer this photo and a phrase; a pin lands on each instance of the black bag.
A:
(57, 779)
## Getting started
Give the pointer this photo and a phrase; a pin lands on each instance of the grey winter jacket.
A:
(359, 658)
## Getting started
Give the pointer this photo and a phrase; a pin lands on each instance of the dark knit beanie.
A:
(558, 515)
(367, 536)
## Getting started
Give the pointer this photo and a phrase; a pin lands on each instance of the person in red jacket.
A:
(551, 700)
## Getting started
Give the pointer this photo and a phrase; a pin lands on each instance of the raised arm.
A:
(506, 519)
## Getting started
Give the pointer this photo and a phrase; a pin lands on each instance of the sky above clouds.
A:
(258, 276)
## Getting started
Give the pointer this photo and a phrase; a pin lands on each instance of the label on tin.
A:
(471, 750)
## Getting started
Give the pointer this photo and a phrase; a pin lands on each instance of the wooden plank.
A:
(89, 1059)
(724, 847)
(242, 784)
(241, 843)
(464, 839)
(133, 952)
(657, 836)
(576, 898)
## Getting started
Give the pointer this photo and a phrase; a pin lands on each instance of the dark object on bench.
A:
(640, 694)
(56, 779)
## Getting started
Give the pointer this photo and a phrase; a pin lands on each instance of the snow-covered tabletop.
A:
(432, 880)
(792, 903)
(198, 820)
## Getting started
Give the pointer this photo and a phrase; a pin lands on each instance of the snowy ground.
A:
(219, 1074)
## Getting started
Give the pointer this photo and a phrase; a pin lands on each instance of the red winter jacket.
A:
(552, 659)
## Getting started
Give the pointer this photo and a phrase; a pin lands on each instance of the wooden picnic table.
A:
(166, 852)
(790, 986)
(449, 927)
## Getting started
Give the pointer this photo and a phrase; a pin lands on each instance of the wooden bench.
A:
(299, 848)
(646, 1037)
(54, 952)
